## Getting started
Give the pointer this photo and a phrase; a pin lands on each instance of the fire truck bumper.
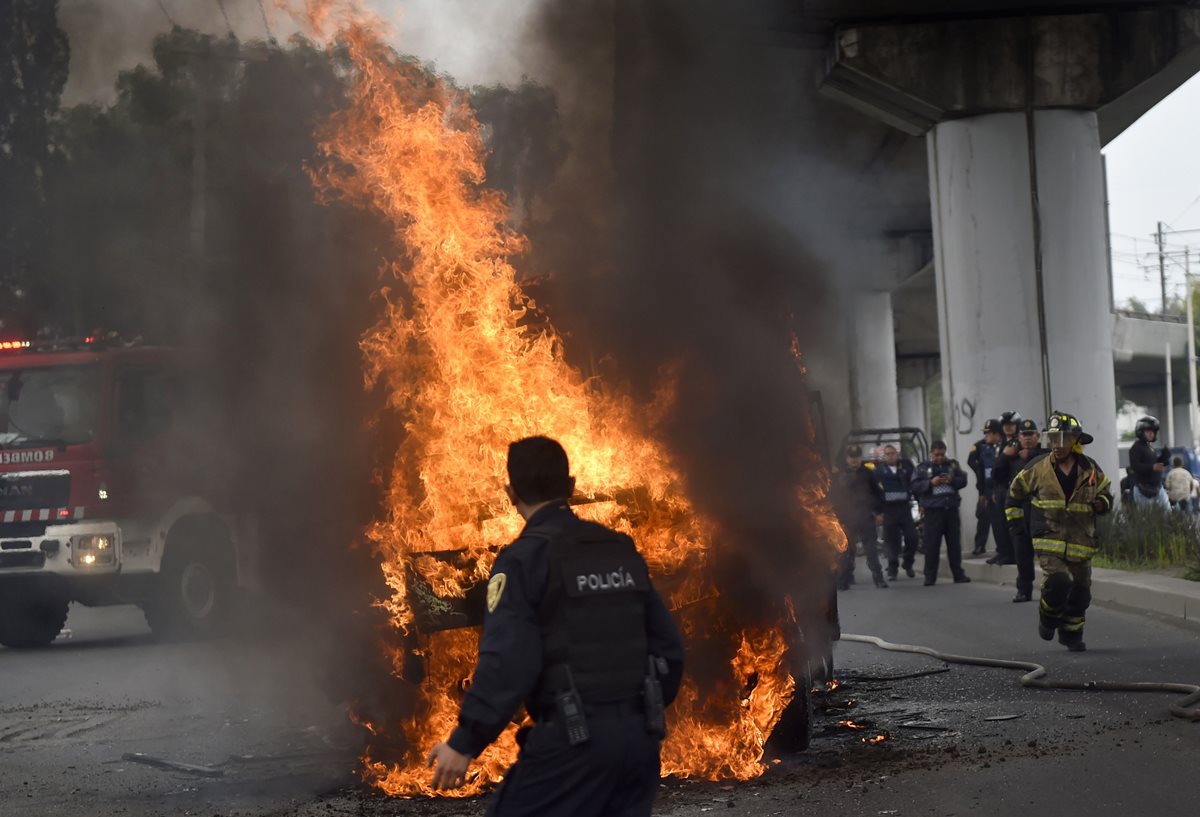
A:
(89, 548)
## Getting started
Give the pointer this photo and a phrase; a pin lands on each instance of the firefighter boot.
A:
(1072, 641)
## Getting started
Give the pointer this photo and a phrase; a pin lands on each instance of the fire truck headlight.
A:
(94, 549)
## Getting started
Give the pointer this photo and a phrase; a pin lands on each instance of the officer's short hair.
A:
(1177, 462)
(538, 470)
(938, 445)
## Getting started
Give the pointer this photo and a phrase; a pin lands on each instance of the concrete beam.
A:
(1135, 337)
(914, 75)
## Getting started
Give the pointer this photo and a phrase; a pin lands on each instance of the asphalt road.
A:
(251, 709)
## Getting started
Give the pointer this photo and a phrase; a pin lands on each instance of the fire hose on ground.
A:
(1034, 676)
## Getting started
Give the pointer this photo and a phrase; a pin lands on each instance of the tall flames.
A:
(462, 364)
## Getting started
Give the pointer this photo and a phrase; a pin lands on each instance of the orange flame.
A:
(468, 375)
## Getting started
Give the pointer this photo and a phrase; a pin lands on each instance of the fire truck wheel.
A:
(31, 617)
(195, 589)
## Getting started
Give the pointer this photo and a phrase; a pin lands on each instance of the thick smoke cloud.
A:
(681, 244)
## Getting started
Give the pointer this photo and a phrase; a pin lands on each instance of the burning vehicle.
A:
(103, 500)
(465, 371)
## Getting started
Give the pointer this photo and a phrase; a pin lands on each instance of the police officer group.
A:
(867, 494)
(1038, 502)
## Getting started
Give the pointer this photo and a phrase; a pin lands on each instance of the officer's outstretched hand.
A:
(450, 769)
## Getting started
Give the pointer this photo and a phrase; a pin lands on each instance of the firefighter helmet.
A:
(1013, 417)
(1061, 423)
(1145, 424)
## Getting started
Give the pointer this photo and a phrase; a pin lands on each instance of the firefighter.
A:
(980, 461)
(1147, 465)
(936, 485)
(1010, 422)
(575, 630)
(1007, 467)
(858, 502)
(1066, 491)
(895, 481)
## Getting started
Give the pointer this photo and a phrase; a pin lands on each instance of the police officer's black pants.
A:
(898, 522)
(613, 774)
(862, 530)
(1023, 553)
(1004, 548)
(942, 523)
(983, 524)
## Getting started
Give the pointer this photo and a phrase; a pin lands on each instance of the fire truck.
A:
(108, 492)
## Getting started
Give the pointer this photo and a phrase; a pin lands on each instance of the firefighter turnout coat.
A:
(1060, 525)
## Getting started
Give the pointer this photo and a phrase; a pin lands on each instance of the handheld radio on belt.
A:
(570, 710)
(652, 698)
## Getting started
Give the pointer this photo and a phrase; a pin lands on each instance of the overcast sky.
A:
(1154, 175)
(1153, 168)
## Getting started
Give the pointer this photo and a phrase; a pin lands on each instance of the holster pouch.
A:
(652, 699)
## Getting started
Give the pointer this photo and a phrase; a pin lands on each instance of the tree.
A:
(33, 71)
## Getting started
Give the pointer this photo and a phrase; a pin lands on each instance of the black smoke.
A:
(683, 249)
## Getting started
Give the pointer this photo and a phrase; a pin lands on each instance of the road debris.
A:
(172, 765)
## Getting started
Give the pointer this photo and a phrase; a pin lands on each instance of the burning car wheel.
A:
(196, 584)
(31, 616)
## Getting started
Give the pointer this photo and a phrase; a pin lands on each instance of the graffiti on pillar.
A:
(964, 416)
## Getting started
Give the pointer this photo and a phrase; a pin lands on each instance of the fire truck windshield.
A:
(48, 406)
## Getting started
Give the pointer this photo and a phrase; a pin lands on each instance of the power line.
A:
(225, 14)
(162, 7)
(266, 25)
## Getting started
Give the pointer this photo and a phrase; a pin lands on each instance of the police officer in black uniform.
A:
(1010, 422)
(980, 461)
(895, 479)
(936, 484)
(858, 504)
(576, 631)
(1006, 467)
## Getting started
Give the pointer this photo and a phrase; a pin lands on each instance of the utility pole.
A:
(1170, 400)
(1191, 337)
(1162, 266)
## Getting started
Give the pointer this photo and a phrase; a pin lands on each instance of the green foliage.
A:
(1145, 537)
(33, 71)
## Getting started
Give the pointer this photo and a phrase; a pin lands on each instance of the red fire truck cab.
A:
(108, 492)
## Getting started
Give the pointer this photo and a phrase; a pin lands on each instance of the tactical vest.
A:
(895, 485)
(987, 460)
(593, 613)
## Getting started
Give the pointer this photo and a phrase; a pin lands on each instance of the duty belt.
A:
(895, 496)
(942, 490)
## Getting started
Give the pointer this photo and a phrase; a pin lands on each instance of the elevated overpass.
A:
(965, 141)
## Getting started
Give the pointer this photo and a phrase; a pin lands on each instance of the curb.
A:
(1163, 595)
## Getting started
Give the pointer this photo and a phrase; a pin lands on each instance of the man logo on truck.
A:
(15, 489)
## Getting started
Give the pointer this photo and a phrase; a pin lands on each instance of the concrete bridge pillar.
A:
(1019, 244)
(875, 401)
